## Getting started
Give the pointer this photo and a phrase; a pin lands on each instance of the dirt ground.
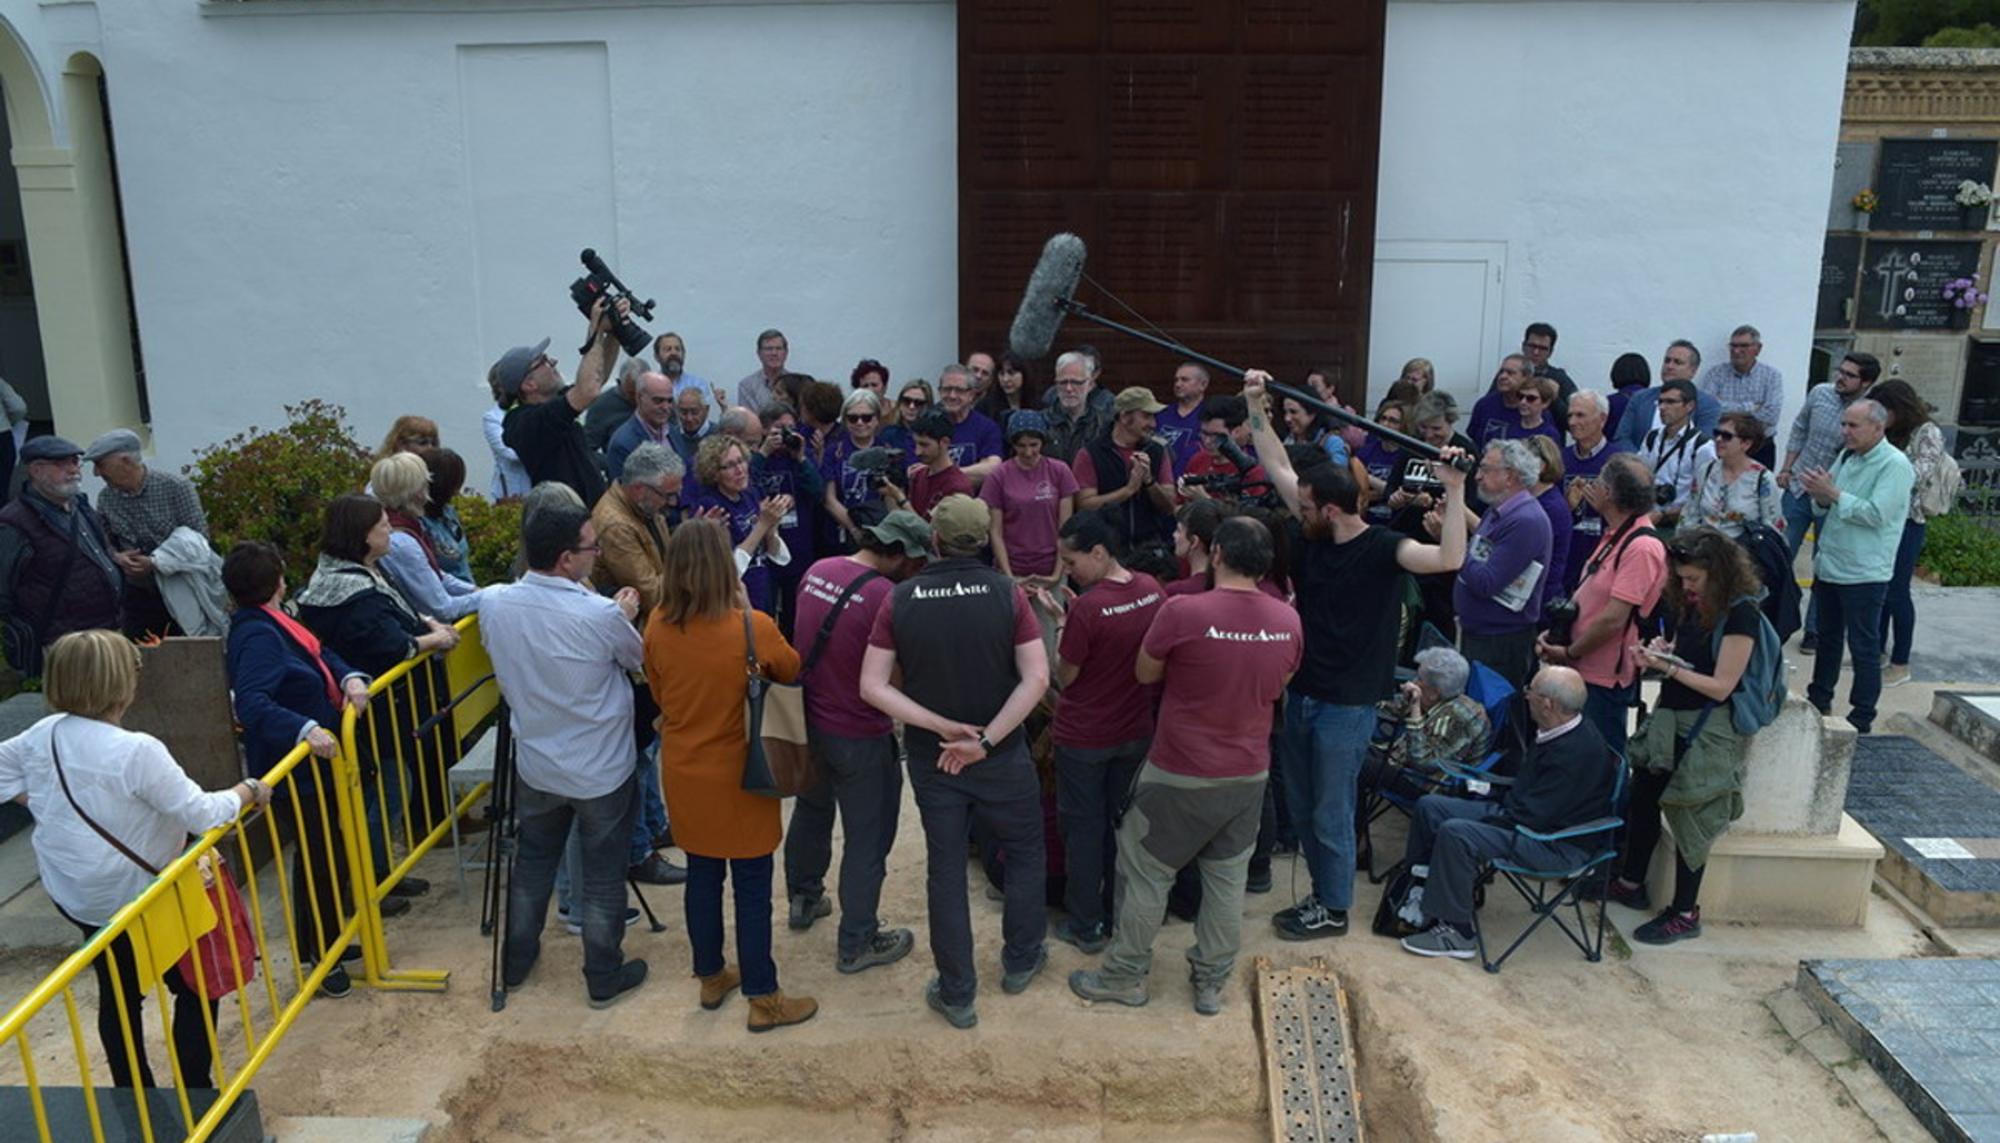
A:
(1647, 1046)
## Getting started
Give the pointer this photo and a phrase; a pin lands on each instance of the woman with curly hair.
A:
(722, 465)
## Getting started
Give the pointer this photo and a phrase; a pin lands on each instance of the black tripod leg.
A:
(500, 868)
(652, 922)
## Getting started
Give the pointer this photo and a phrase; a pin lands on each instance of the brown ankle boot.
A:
(716, 989)
(776, 1010)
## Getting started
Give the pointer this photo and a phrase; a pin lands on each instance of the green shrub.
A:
(494, 533)
(1961, 552)
(274, 485)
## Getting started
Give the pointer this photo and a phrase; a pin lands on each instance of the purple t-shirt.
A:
(974, 439)
(856, 486)
(1490, 418)
(1381, 461)
(833, 690)
(1029, 502)
(742, 513)
(1586, 526)
(1498, 591)
(1181, 433)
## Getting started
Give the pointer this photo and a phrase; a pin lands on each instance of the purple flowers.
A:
(1963, 293)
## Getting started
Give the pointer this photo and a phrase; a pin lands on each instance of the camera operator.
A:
(780, 466)
(543, 428)
(1348, 578)
(1621, 580)
(1223, 419)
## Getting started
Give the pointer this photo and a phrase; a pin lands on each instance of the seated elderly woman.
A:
(402, 483)
(1432, 722)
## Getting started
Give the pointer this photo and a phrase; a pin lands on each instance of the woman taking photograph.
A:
(1712, 593)
(403, 485)
(288, 689)
(1732, 491)
(695, 663)
(80, 766)
(1912, 430)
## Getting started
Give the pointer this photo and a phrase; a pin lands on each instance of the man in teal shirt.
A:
(1860, 505)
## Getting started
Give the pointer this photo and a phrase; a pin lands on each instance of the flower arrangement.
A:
(1866, 201)
(1972, 193)
(1963, 293)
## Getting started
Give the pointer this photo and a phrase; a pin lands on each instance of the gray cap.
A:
(115, 441)
(513, 366)
(906, 528)
(50, 448)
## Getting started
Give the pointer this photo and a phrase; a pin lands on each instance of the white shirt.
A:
(561, 652)
(1542, 736)
(127, 783)
(510, 477)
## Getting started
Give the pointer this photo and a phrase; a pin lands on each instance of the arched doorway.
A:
(26, 125)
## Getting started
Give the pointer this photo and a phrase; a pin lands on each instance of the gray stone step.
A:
(1971, 717)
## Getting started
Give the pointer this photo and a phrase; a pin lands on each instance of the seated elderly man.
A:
(1565, 779)
(1431, 722)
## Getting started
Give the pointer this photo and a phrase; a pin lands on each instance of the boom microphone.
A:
(1044, 302)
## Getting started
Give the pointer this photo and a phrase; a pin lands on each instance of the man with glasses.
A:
(975, 439)
(542, 428)
(1676, 450)
(1681, 362)
(1078, 411)
(1813, 444)
(575, 759)
(1744, 384)
(1223, 418)
(760, 388)
(58, 572)
(690, 425)
(1538, 343)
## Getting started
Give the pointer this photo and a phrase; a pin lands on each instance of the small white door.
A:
(1440, 300)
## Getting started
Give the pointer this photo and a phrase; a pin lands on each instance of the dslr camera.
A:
(600, 282)
(1560, 620)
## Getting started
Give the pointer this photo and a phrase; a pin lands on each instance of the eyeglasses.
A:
(859, 418)
(1725, 435)
(1069, 383)
(954, 388)
(1672, 401)
(592, 549)
(1742, 345)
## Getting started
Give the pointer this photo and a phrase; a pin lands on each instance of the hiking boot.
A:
(1208, 997)
(1090, 985)
(574, 925)
(1090, 939)
(417, 886)
(657, 870)
(716, 988)
(1895, 674)
(1442, 939)
(1259, 881)
(776, 1010)
(960, 1016)
(1669, 927)
(807, 908)
(1311, 923)
(336, 984)
(885, 947)
(1015, 983)
(631, 975)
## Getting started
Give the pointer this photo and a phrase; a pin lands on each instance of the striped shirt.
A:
(1760, 392)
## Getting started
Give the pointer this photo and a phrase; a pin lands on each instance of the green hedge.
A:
(1961, 552)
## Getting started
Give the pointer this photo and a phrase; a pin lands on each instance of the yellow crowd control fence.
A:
(318, 896)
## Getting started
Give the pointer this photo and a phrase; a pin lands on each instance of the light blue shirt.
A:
(562, 653)
(440, 595)
(1859, 533)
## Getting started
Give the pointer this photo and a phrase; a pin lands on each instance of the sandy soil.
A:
(1646, 1046)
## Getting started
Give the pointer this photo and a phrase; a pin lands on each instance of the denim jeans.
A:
(750, 885)
(1899, 611)
(652, 817)
(866, 786)
(1609, 709)
(1324, 746)
(1853, 610)
(1799, 518)
(1091, 784)
(542, 824)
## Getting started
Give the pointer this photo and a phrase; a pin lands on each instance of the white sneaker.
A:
(1895, 674)
(574, 926)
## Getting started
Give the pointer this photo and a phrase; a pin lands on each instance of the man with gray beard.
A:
(57, 571)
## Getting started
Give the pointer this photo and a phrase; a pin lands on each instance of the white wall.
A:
(303, 218)
(1654, 170)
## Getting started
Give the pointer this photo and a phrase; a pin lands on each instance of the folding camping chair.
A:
(1548, 891)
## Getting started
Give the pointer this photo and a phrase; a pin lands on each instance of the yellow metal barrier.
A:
(419, 716)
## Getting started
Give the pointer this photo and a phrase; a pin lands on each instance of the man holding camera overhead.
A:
(542, 427)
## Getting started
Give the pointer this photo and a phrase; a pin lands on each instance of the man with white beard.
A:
(57, 570)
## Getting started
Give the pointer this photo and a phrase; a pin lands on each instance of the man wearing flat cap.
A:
(141, 508)
(58, 573)
(543, 426)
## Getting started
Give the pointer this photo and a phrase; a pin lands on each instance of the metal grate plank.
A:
(1308, 1058)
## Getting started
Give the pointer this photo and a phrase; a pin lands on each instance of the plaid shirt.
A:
(1454, 731)
(1815, 435)
(1760, 392)
(141, 521)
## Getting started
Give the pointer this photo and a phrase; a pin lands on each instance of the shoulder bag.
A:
(776, 716)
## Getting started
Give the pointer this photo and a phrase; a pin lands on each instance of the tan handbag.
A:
(778, 715)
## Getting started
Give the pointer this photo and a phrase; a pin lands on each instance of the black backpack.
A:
(1773, 557)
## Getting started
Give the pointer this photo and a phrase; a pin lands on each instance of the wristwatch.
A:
(985, 744)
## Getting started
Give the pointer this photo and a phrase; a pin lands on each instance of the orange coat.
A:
(697, 676)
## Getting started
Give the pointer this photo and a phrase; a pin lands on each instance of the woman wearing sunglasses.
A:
(911, 401)
(1732, 491)
(861, 415)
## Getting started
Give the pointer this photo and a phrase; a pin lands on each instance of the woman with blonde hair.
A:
(696, 643)
(1420, 372)
(408, 434)
(403, 484)
(87, 780)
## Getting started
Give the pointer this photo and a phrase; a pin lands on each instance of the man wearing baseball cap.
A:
(1129, 474)
(542, 428)
(973, 667)
(57, 571)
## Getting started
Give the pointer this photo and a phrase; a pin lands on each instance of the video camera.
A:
(883, 465)
(600, 282)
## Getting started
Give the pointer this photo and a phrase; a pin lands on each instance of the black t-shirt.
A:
(1697, 646)
(1350, 601)
(551, 446)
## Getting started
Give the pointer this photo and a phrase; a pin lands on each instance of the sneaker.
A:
(1015, 983)
(1618, 891)
(960, 1016)
(808, 908)
(574, 925)
(1809, 643)
(1669, 927)
(1090, 939)
(657, 870)
(351, 952)
(1292, 911)
(336, 984)
(1443, 940)
(394, 906)
(1311, 923)
(1090, 985)
(631, 975)
(417, 886)
(885, 947)
(1259, 881)
(1208, 998)
(1895, 674)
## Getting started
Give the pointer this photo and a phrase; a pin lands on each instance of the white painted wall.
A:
(1655, 170)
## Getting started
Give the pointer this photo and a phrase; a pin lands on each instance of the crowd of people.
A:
(1123, 650)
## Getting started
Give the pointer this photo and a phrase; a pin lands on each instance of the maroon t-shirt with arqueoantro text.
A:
(1105, 705)
(833, 690)
(1228, 653)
